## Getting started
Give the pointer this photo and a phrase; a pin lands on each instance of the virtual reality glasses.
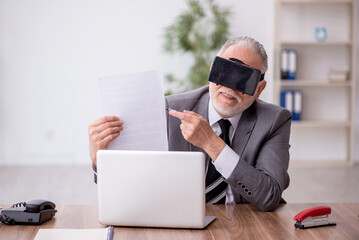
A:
(235, 75)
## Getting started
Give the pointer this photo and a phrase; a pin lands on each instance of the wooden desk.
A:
(233, 222)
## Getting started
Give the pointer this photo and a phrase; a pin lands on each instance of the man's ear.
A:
(261, 86)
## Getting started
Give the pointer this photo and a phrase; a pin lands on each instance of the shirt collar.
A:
(214, 117)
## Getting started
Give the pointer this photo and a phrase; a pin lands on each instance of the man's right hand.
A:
(101, 132)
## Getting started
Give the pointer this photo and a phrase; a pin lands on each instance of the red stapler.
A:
(314, 217)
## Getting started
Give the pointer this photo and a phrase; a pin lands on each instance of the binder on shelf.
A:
(292, 100)
(284, 64)
(286, 99)
(297, 105)
(292, 64)
(288, 65)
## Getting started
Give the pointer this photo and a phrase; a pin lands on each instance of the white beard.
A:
(227, 110)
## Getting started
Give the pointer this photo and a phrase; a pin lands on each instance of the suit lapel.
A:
(244, 130)
(201, 108)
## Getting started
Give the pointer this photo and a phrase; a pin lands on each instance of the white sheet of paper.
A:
(72, 234)
(137, 99)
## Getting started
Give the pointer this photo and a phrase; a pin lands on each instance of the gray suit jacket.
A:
(261, 140)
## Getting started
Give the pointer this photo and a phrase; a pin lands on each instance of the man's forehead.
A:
(244, 54)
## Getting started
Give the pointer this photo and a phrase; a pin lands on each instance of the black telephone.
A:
(33, 212)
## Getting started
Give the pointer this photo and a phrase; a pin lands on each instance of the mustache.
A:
(229, 92)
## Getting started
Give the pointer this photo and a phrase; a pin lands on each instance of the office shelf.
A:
(312, 83)
(320, 124)
(316, 44)
(325, 135)
(318, 163)
(326, 2)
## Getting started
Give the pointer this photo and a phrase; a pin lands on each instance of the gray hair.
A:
(251, 44)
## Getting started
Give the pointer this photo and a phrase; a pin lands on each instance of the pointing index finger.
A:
(185, 116)
(176, 114)
(191, 113)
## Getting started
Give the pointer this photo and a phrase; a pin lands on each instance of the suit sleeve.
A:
(263, 182)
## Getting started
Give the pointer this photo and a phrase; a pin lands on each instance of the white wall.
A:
(356, 135)
(53, 52)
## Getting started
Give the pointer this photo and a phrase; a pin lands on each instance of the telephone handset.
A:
(33, 212)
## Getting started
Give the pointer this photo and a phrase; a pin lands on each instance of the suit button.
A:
(249, 193)
(243, 186)
(246, 190)
(239, 183)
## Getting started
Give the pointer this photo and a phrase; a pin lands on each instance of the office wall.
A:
(356, 142)
(53, 52)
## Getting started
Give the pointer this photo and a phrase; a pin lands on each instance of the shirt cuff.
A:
(226, 161)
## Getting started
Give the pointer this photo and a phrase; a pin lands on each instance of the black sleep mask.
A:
(235, 75)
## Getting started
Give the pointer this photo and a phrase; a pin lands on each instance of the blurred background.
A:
(52, 54)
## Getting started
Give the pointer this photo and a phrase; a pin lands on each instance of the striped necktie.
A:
(215, 185)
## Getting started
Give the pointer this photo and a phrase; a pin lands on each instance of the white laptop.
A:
(151, 189)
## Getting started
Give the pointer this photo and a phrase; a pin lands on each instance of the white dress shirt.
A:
(227, 159)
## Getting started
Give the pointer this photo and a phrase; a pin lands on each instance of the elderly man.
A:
(245, 140)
